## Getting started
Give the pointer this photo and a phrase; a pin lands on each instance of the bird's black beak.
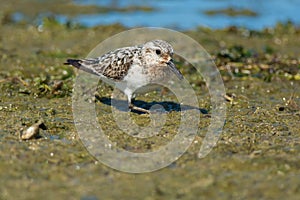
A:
(174, 69)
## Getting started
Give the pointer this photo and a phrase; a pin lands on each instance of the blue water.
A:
(189, 14)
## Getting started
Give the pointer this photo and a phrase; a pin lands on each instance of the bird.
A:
(131, 68)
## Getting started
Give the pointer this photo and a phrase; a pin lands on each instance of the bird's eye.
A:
(157, 51)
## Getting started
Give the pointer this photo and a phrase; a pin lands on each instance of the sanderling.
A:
(131, 68)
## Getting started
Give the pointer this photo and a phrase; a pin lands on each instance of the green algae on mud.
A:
(256, 156)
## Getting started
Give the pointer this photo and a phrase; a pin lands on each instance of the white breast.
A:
(134, 79)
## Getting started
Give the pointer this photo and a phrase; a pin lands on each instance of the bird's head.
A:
(160, 53)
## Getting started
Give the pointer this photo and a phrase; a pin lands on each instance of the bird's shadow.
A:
(167, 105)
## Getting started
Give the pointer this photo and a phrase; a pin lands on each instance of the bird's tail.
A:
(74, 62)
(82, 64)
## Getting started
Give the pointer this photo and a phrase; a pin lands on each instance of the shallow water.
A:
(191, 14)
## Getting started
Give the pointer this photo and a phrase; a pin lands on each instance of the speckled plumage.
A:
(130, 68)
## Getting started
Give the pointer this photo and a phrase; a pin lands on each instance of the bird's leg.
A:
(133, 107)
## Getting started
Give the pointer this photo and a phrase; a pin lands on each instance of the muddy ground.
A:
(256, 157)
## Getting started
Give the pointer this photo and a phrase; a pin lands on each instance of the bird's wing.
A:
(113, 65)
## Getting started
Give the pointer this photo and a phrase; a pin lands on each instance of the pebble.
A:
(32, 131)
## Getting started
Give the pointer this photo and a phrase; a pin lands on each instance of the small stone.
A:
(29, 133)
(33, 131)
(256, 153)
